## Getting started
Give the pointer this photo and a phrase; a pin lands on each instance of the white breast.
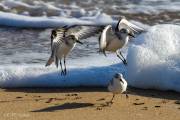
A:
(114, 44)
(63, 50)
(117, 86)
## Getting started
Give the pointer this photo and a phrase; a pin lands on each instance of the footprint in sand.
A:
(101, 99)
(73, 94)
(59, 98)
(49, 100)
(139, 103)
(145, 108)
(177, 102)
(99, 108)
(76, 98)
(38, 96)
(36, 100)
(105, 105)
(164, 101)
(18, 97)
(157, 106)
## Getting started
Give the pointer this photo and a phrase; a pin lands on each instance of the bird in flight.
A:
(64, 39)
(113, 40)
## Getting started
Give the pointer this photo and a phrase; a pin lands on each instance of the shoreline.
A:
(87, 103)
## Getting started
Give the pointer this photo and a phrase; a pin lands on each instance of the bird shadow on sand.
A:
(171, 95)
(65, 106)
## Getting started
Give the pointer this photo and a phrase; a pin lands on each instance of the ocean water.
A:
(25, 27)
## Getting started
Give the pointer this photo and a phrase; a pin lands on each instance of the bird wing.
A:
(105, 36)
(57, 36)
(124, 23)
(83, 31)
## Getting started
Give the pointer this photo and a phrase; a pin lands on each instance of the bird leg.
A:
(119, 55)
(111, 101)
(127, 96)
(65, 71)
(104, 52)
(62, 71)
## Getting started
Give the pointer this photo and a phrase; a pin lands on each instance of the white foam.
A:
(11, 19)
(83, 72)
(154, 59)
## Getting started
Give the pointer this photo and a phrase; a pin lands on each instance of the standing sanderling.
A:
(117, 85)
(64, 39)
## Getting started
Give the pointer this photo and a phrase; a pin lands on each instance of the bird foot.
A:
(109, 103)
(127, 96)
(63, 73)
(125, 62)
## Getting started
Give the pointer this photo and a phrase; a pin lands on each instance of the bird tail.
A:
(50, 61)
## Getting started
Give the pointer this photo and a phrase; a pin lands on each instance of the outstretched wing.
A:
(124, 23)
(57, 36)
(106, 35)
(83, 31)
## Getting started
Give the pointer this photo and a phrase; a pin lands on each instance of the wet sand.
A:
(87, 104)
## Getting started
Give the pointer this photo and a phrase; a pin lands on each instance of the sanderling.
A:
(63, 41)
(117, 85)
(114, 39)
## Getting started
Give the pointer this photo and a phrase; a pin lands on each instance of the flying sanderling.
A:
(114, 39)
(63, 41)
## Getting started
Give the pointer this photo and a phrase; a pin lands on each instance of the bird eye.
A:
(116, 75)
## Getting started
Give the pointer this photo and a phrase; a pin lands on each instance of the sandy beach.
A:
(87, 104)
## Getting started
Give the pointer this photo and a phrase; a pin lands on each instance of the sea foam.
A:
(15, 20)
(85, 72)
(154, 59)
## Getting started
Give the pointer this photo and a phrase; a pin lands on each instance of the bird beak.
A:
(79, 42)
(122, 81)
(131, 34)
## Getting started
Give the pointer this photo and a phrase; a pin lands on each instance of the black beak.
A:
(79, 42)
(132, 35)
(121, 81)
